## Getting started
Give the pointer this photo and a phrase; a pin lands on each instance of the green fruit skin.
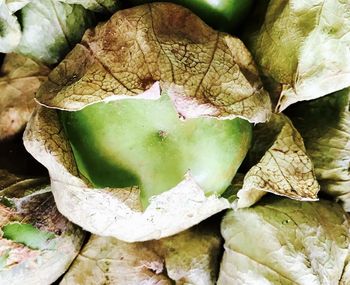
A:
(224, 15)
(28, 235)
(143, 142)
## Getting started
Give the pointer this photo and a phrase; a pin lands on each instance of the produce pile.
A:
(184, 142)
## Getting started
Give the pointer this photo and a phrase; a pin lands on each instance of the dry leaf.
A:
(190, 257)
(206, 73)
(285, 169)
(43, 243)
(106, 260)
(283, 242)
(304, 47)
(21, 79)
(325, 126)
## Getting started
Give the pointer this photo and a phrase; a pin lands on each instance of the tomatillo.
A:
(224, 15)
(138, 142)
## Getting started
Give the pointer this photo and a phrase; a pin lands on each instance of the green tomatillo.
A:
(224, 15)
(144, 143)
(154, 120)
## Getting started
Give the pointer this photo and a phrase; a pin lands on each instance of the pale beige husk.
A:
(106, 260)
(304, 47)
(34, 204)
(21, 78)
(325, 126)
(190, 257)
(281, 241)
(284, 168)
(205, 72)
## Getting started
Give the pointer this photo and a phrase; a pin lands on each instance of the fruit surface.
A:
(143, 142)
(224, 15)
